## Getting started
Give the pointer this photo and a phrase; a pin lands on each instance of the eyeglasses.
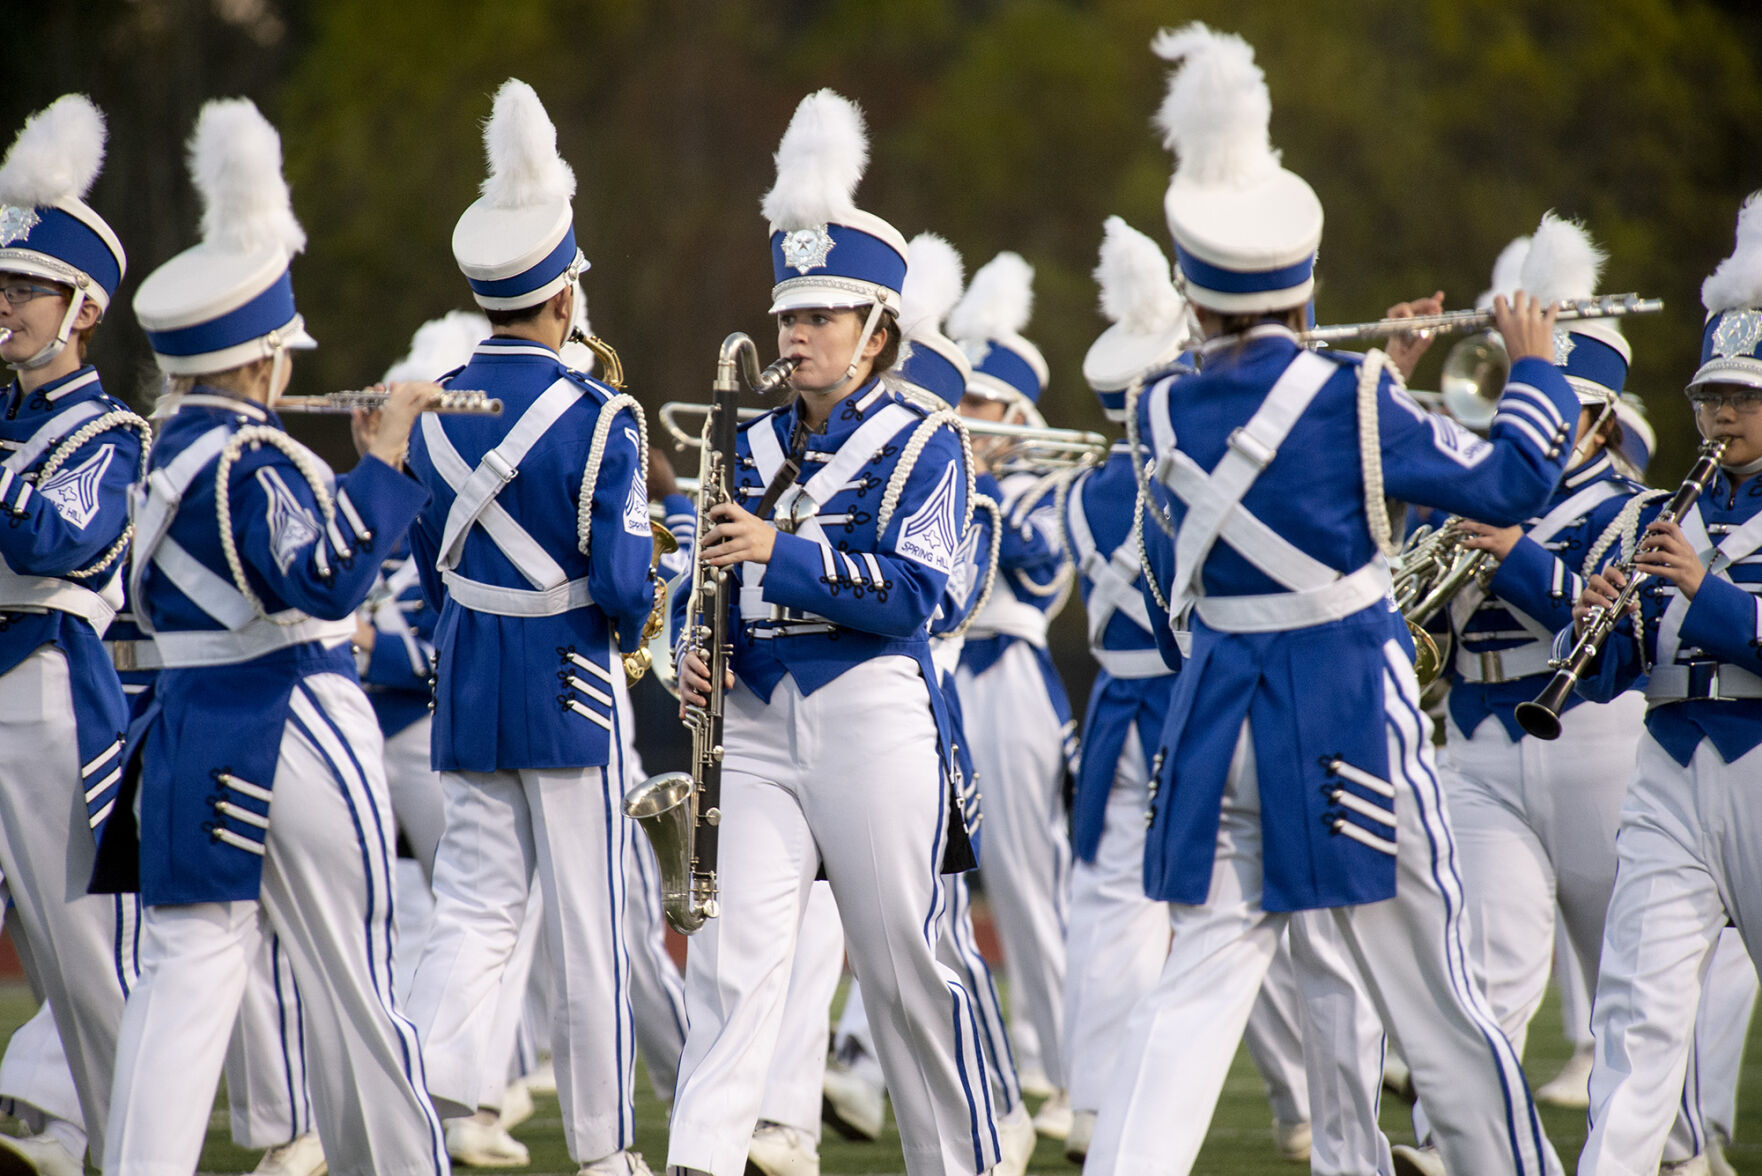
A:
(19, 293)
(1709, 399)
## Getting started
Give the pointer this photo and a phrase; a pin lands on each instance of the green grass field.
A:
(1240, 1142)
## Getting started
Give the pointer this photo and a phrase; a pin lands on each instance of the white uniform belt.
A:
(1702, 679)
(517, 602)
(254, 639)
(1489, 667)
(1011, 618)
(1131, 663)
(945, 654)
(46, 592)
(140, 654)
(1273, 611)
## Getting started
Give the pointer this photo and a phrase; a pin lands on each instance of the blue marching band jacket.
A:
(1030, 585)
(1505, 631)
(868, 534)
(245, 593)
(398, 672)
(1134, 685)
(536, 554)
(1701, 658)
(68, 454)
(1291, 597)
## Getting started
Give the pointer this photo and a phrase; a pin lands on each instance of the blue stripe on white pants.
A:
(1415, 963)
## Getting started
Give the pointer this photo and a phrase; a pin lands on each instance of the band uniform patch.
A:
(291, 525)
(928, 534)
(74, 492)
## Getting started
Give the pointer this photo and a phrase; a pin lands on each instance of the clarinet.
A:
(1541, 717)
(681, 811)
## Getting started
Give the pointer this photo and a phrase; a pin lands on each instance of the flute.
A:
(369, 400)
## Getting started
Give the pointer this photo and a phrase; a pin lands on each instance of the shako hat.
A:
(1245, 229)
(988, 323)
(516, 243)
(1564, 265)
(47, 230)
(933, 280)
(1731, 342)
(1151, 327)
(229, 300)
(825, 251)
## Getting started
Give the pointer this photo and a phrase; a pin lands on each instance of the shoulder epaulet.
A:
(1343, 358)
(770, 414)
(447, 379)
(602, 390)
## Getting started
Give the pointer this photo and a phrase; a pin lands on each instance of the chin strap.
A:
(55, 346)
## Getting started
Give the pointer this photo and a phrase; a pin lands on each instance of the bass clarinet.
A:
(680, 811)
(1541, 717)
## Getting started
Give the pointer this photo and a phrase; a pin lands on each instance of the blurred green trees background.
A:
(1434, 130)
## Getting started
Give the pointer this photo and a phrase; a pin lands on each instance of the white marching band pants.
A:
(1410, 953)
(1689, 856)
(510, 834)
(1535, 827)
(325, 893)
(79, 950)
(848, 777)
(1117, 943)
(1018, 752)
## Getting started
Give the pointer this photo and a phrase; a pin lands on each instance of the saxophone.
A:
(680, 811)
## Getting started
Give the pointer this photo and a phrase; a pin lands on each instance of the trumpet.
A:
(1432, 567)
(680, 811)
(371, 400)
(1541, 717)
(1452, 321)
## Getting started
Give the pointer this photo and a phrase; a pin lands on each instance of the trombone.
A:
(1030, 446)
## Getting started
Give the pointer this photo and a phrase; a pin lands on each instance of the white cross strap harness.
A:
(802, 501)
(1670, 681)
(38, 593)
(474, 505)
(247, 633)
(1315, 592)
(1523, 661)
(1115, 589)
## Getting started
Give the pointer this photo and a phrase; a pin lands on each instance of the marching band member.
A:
(1535, 821)
(1013, 705)
(533, 602)
(1687, 847)
(853, 1090)
(67, 455)
(258, 701)
(1298, 772)
(1118, 937)
(850, 504)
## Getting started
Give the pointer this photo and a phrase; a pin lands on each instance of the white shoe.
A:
(853, 1104)
(1417, 1161)
(778, 1149)
(302, 1155)
(39, 1153)
(624, 1163)
(1292, 1140)
(1035, 1084)
(1572, 1086)
(476, 1144)
(1717, 1164)
(1693, 1166)
(516, 1105)
(1082, 1134)
(1053, 1120)
(1398, 1079)
(1016, 1140)
(542, 1080)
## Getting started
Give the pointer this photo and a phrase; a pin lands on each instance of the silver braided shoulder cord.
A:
(985, 503)
(596, 454)
(255, 435)
(908, 460)
(69, 445)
